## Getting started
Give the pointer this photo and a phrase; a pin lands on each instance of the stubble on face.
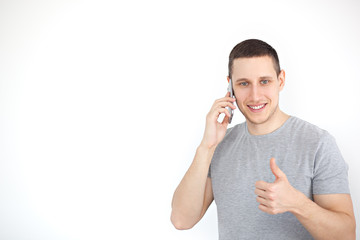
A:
(253, 122)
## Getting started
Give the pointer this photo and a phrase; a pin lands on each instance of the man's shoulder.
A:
(306, 129)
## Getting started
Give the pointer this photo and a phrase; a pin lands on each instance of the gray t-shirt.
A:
(307, 155)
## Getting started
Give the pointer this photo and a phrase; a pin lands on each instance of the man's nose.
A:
(255, 93)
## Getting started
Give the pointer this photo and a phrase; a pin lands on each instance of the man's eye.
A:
(243, 84)
(264, 81)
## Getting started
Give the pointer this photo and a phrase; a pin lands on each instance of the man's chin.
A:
(255, 121)
(258, 119)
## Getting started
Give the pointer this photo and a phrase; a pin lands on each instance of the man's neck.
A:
(273, 123)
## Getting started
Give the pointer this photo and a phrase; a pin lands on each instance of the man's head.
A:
(257, 80)
(253, 48)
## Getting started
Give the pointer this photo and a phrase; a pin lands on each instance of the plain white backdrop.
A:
(103, 103)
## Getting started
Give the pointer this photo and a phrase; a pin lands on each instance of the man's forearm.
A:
(322, 223)
(188, 198)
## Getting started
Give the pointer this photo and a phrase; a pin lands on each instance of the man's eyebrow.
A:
(265, 77)
(241, 79)
(246, 79)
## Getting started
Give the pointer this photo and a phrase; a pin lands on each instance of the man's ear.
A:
(281, 79)
(228, 79)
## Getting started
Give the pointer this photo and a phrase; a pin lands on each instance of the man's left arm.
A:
(329, 216)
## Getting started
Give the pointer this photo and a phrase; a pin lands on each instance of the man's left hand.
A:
(279, 196)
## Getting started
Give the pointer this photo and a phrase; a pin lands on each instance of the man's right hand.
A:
(214, 130)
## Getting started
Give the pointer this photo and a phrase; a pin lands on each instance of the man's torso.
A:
(241, 159)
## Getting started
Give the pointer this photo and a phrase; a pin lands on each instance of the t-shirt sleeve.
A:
(330, 169)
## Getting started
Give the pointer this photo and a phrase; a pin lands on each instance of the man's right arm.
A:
(194, 194)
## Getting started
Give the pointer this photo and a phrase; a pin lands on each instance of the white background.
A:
(103, 103)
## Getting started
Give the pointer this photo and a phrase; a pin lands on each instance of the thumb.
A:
(276, 170)
(225, 120)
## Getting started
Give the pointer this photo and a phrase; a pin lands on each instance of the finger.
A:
(225, 120)
(217, 109)
(224, 104)
(262, 201)
(260, 192)
(276, 170)
(225, 111)
(265, 209)
(269, 210)
(214, 114)
(262, 185)
(225, 99)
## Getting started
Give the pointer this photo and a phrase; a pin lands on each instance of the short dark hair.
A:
(253, 48)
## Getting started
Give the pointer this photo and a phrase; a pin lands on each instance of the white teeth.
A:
(257, 107)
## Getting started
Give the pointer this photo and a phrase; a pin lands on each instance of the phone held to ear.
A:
(231, 111)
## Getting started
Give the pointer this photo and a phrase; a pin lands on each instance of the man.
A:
(274, 176)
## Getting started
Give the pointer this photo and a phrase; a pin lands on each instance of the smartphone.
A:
(231, 111)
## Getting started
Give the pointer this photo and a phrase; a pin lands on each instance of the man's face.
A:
(256, 87)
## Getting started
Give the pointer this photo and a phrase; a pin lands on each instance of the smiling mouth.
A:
(257, 107)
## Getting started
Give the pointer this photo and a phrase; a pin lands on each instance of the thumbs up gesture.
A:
(279, 196)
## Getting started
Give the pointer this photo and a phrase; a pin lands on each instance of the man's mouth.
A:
(257, 107)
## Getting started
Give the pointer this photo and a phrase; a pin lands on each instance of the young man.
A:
(274, 176)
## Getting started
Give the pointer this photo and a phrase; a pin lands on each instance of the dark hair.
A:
(253, 48)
